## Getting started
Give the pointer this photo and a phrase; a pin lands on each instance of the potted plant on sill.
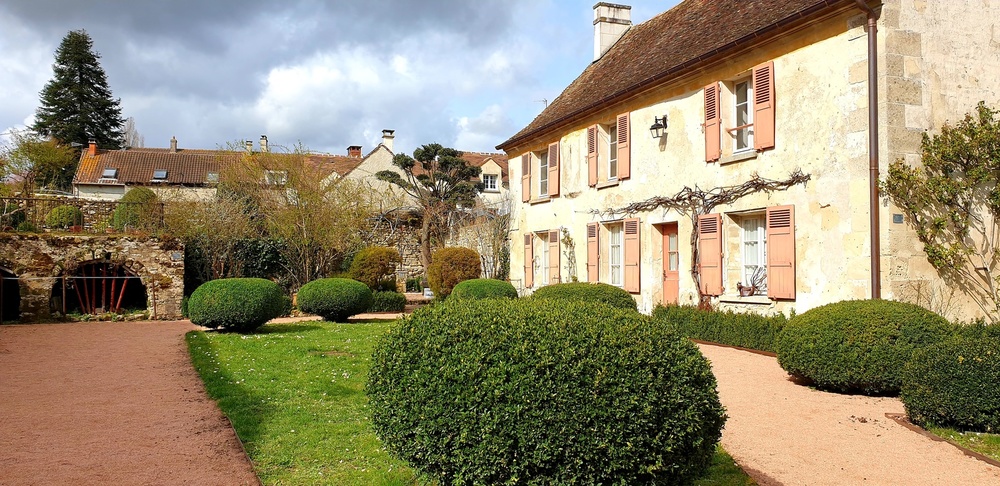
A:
(757, 280)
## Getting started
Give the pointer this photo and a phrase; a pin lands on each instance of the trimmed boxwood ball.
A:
(236, 304)
(502, 391)
(483, 288)
(388, 302)
(858, 345)
(449, 266)
(63, 217)
(955, 383)
(335, 299)
(590, 292)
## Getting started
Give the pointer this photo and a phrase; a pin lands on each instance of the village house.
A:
(717, 94)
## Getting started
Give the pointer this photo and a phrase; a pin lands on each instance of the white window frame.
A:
(542, 258)
(543, 173)
(746, 104)
(275, 177)
(753, 246)
(613, 152)
(490, 182)
(616, 254)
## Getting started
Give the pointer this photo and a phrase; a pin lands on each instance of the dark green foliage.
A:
(139, 208)
(483, 288)
(76, 104)
(184, 306)
(11, 216)
(374, 266)
(413, 285)
(236, 304)
(502, 391)
(27, 227)
(451, 266)
(385, 301)
(589, 292)
(955, 383)
(858, 345)
(62, 217)
(746, 330)
(335, 299)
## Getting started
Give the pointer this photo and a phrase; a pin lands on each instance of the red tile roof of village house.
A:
(651, 52)
(479, 159)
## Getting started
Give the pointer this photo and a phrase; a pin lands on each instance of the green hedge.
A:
(483, 288)
(335, 299)
(589, 292)
(236, 304)
(137, 209)
(955, 383)
(746, 330)
(449, 266)
(525, 391)
(63, 217)
(858, 345)
(388, 302)
(375, 267)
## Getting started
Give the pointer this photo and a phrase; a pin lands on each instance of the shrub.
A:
(11, 216)
(449, 266)
(483, 288)
(590, 292)
(335, 299)
(955, 383)
(527, 391)
(236, 304)
(746, 330)
(27, 227)
(374, 266)
(388, 302)
(858, 345)
(63, 217)
(137, 209)
(413, 285)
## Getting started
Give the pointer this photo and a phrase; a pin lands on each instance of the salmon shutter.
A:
(713, 123)
(781, 252)
(710, 253)
(632, 255)
(763, 106)
(525, 177)
(553, 256)
(529, 257)
(593, 253)
(592, 155)
(554, 169)
(624, 150)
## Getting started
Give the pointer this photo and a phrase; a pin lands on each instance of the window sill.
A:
(543, 199)
(752, 299)
(491, 191)
(607, 184)
(738, 157)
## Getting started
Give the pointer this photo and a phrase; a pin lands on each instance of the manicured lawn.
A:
(986, 444)
(295, 394)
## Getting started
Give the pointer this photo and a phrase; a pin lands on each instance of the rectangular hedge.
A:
(751, 331)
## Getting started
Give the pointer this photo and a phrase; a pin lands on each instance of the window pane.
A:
(613, 151)
(672, 242)
(673, 263)
(615, 251)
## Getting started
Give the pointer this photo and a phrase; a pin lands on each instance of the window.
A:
(754, 253)
(609, 153)
(744, 110)
(543, 173)
(490, 182)
(612, 152)
(275, 177)
(615, 254)
(212, 177)
(159, 175)
(109, 173)
(742, 130)
(542, 260)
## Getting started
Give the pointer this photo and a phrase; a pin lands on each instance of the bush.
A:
(858, 345)
(236, 304)
(746, 330)
(483, 288)
(11, 216)
(27, 227)
(526, 391)
(375, 266)
(449, 266)
(590, 292)
(955, 383)
(63, 217)
(137, 209)
(388, 302)
(413, 285)
(335, 299)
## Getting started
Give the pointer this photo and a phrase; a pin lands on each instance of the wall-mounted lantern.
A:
(659, 126)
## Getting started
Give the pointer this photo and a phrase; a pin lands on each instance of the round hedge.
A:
(483, 288)
(501, 391)
(137, 209)
(375, 267)
(63, 217)
(590, 292)
(335, 299)
(449, 266)
(388, 302)
(955, 383)
(236, 304)
(858, 345)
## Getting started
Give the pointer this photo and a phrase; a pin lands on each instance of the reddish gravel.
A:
(110, 403)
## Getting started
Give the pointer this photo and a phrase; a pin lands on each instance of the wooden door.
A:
(671, 264)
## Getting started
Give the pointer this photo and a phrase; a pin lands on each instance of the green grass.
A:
(295, 395)
(985, 444)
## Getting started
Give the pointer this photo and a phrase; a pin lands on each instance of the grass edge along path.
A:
(295, 396)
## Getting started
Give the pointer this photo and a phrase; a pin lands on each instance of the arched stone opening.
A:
(99, 286)
(10, 296)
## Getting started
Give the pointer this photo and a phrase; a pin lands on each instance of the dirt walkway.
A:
(800, 436)
(110, 403)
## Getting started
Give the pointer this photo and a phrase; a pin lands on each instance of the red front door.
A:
(671, 264)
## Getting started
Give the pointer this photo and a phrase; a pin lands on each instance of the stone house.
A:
(720, 93)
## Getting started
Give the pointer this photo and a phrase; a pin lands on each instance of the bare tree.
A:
(133, 139)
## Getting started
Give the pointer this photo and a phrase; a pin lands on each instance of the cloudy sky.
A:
(328, 74)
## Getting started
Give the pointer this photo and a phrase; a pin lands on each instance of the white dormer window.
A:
(275, 177)
(159, 175)
(490, 182)
(212, 177)
(109, 173)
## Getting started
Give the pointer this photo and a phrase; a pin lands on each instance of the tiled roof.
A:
(479, 159)
(664, 46)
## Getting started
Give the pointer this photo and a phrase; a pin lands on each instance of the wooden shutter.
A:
(554, 169)
(632, 255)
(624, 150)
(529, 264)
(713, 123)
(592, 155)
(763, 106)
(593, 253)
(710, 253)
(781, 252)
(553, 257)
(525, 177)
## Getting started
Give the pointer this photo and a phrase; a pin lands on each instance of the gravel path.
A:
(110, 403)
(795, 435)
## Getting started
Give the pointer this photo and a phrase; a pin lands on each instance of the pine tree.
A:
(76, 104)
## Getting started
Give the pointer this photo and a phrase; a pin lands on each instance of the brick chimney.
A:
(354, 151)
(610, 22)
(173, 145)
(263, 143)
(387, 136)
(92, 150)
